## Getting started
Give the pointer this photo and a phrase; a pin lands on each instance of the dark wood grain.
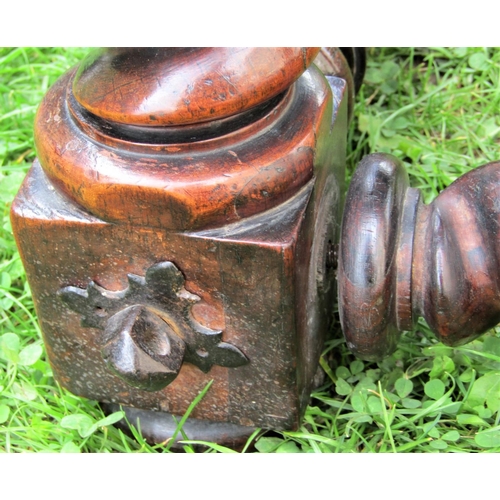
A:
(203, 183)
(181, 222)
(400, 259)
(456, 262)
(244, 203)
(178, 86)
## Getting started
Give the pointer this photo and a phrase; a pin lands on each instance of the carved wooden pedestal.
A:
(180, 227)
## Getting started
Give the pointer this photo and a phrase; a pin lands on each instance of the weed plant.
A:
(436, 109)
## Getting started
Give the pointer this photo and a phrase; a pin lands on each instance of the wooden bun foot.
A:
(161, 427)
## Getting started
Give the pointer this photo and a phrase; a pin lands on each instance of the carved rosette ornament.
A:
(149, 330)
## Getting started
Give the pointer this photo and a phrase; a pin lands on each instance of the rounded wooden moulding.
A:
(184, 85)
(400, 259)
(185, 176)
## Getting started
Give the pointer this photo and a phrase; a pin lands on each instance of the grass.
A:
(436, 109)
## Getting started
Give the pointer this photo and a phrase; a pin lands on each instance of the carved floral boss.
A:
(149, 329)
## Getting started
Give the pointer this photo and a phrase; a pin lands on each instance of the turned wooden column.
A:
(400, 259)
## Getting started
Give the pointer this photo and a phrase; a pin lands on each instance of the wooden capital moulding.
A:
(180, 224)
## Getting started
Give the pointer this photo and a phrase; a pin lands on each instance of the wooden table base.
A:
(182, 222)
(177, 229)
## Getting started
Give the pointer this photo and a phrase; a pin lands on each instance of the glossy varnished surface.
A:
(178, 86)
(203, 183)
(374, 261)
(400, 259)
(331, 61)
(456, 269)
(247, 215)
